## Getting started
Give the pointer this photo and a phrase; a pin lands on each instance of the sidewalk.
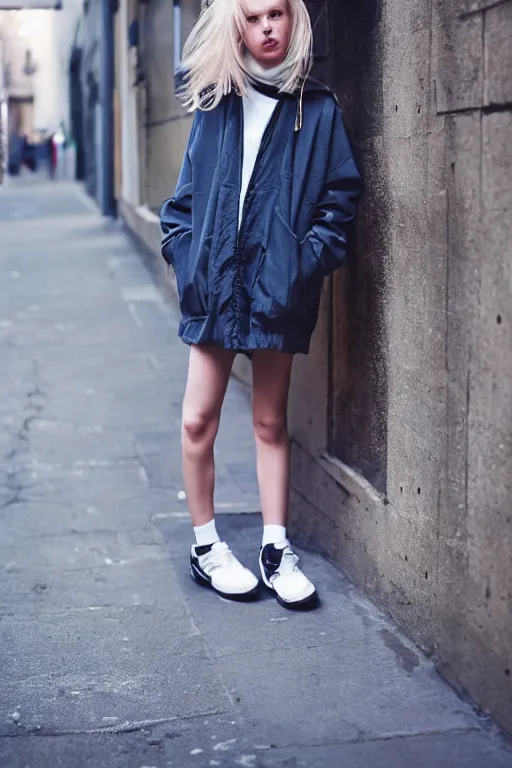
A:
(110, 656)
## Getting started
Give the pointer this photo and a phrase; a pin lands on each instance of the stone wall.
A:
(164, 122)
(401, 417)
(3, 121)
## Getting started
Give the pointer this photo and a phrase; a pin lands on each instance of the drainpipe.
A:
(106, 87)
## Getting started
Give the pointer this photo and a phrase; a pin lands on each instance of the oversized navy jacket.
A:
(258, 287)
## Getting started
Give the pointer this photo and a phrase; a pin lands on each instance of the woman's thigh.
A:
(209, 369)
(271, 384)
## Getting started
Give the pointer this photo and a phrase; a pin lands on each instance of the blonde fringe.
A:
(213, 56)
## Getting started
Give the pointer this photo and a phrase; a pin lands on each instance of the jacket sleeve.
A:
(337, 205)
(176, 213)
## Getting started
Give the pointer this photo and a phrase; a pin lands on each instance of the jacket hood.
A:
(309, 87)
(315, 86)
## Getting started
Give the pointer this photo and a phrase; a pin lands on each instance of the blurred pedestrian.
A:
(28, 154)
(267, 189)
(15, 154)
(51, 149)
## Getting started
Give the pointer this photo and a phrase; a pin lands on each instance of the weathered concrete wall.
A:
(428, 346)
(3, 109)
(89, 39)
(165, 123)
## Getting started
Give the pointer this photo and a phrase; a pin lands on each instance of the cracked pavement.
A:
(110, 656)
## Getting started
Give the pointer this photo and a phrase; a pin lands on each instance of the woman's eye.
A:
(276, 14)
(252, 19)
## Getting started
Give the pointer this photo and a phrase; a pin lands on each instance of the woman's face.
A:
(268, 30)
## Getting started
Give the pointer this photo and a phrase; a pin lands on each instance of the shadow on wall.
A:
(358, 408)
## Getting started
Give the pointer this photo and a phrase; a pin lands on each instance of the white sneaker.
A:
(281, 574)
(216, 566)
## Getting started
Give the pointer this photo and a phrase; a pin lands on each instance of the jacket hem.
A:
(193, 331)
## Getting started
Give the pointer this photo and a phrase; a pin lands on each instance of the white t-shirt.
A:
(258, 109)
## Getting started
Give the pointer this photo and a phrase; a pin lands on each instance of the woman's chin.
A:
(270, 59)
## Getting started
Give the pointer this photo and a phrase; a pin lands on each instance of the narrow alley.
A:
(110, 656)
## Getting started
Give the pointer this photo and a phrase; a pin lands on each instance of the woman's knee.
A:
(208, 376)
(270, 429)
(199, 427)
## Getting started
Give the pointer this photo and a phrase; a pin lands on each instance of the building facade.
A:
(401, 416)
(154, 125)
(36, 45)
(91, 67)
(3, 117)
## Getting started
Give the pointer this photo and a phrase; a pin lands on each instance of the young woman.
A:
(266, 191)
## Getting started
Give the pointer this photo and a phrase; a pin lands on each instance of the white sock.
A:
(273, 534)
(206, 534)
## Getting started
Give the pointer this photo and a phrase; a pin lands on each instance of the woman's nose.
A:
(267, 27)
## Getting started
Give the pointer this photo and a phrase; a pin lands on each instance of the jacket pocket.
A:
(288, 277)
(173, 247)
(312, 281)
(190, 280)
(311, 269)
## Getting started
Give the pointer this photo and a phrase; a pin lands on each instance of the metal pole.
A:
(106, 87)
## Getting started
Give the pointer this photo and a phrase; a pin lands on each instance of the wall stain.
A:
(407, 658)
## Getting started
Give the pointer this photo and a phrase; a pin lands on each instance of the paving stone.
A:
(467, 750)
(147, 582)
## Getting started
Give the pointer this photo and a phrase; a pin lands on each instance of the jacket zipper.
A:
(265, 141)
(240, 237)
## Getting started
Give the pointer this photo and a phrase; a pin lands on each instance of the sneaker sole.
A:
(300, 605)
(244, 597)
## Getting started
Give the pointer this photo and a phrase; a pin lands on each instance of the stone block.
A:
(470, 7)
(388, 549)
(498, 55)
(496, 171)
(490, 400)
(406, 94)
(469, 750)
(346, 708)
(68, 672)
(166, 147)
(463, 269)
(457, 59)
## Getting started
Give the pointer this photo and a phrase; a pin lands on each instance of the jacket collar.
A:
(309, 86)
(315, 86)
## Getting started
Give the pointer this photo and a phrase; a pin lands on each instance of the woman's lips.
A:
(270, 43)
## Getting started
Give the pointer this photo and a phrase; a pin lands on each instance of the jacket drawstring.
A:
(298, 119)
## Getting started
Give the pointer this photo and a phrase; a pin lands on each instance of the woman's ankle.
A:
(273, 534)
(206, 534)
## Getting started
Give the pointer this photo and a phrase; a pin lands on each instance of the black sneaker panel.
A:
(203, 550)
(194, 563)
(271, 558)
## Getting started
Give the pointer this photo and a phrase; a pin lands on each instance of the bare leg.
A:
(208, 375)
(271, 383)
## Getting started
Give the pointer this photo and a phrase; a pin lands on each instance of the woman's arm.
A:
(337, 205)
(176, 213)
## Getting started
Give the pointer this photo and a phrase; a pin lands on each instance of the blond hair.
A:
(213, 56)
